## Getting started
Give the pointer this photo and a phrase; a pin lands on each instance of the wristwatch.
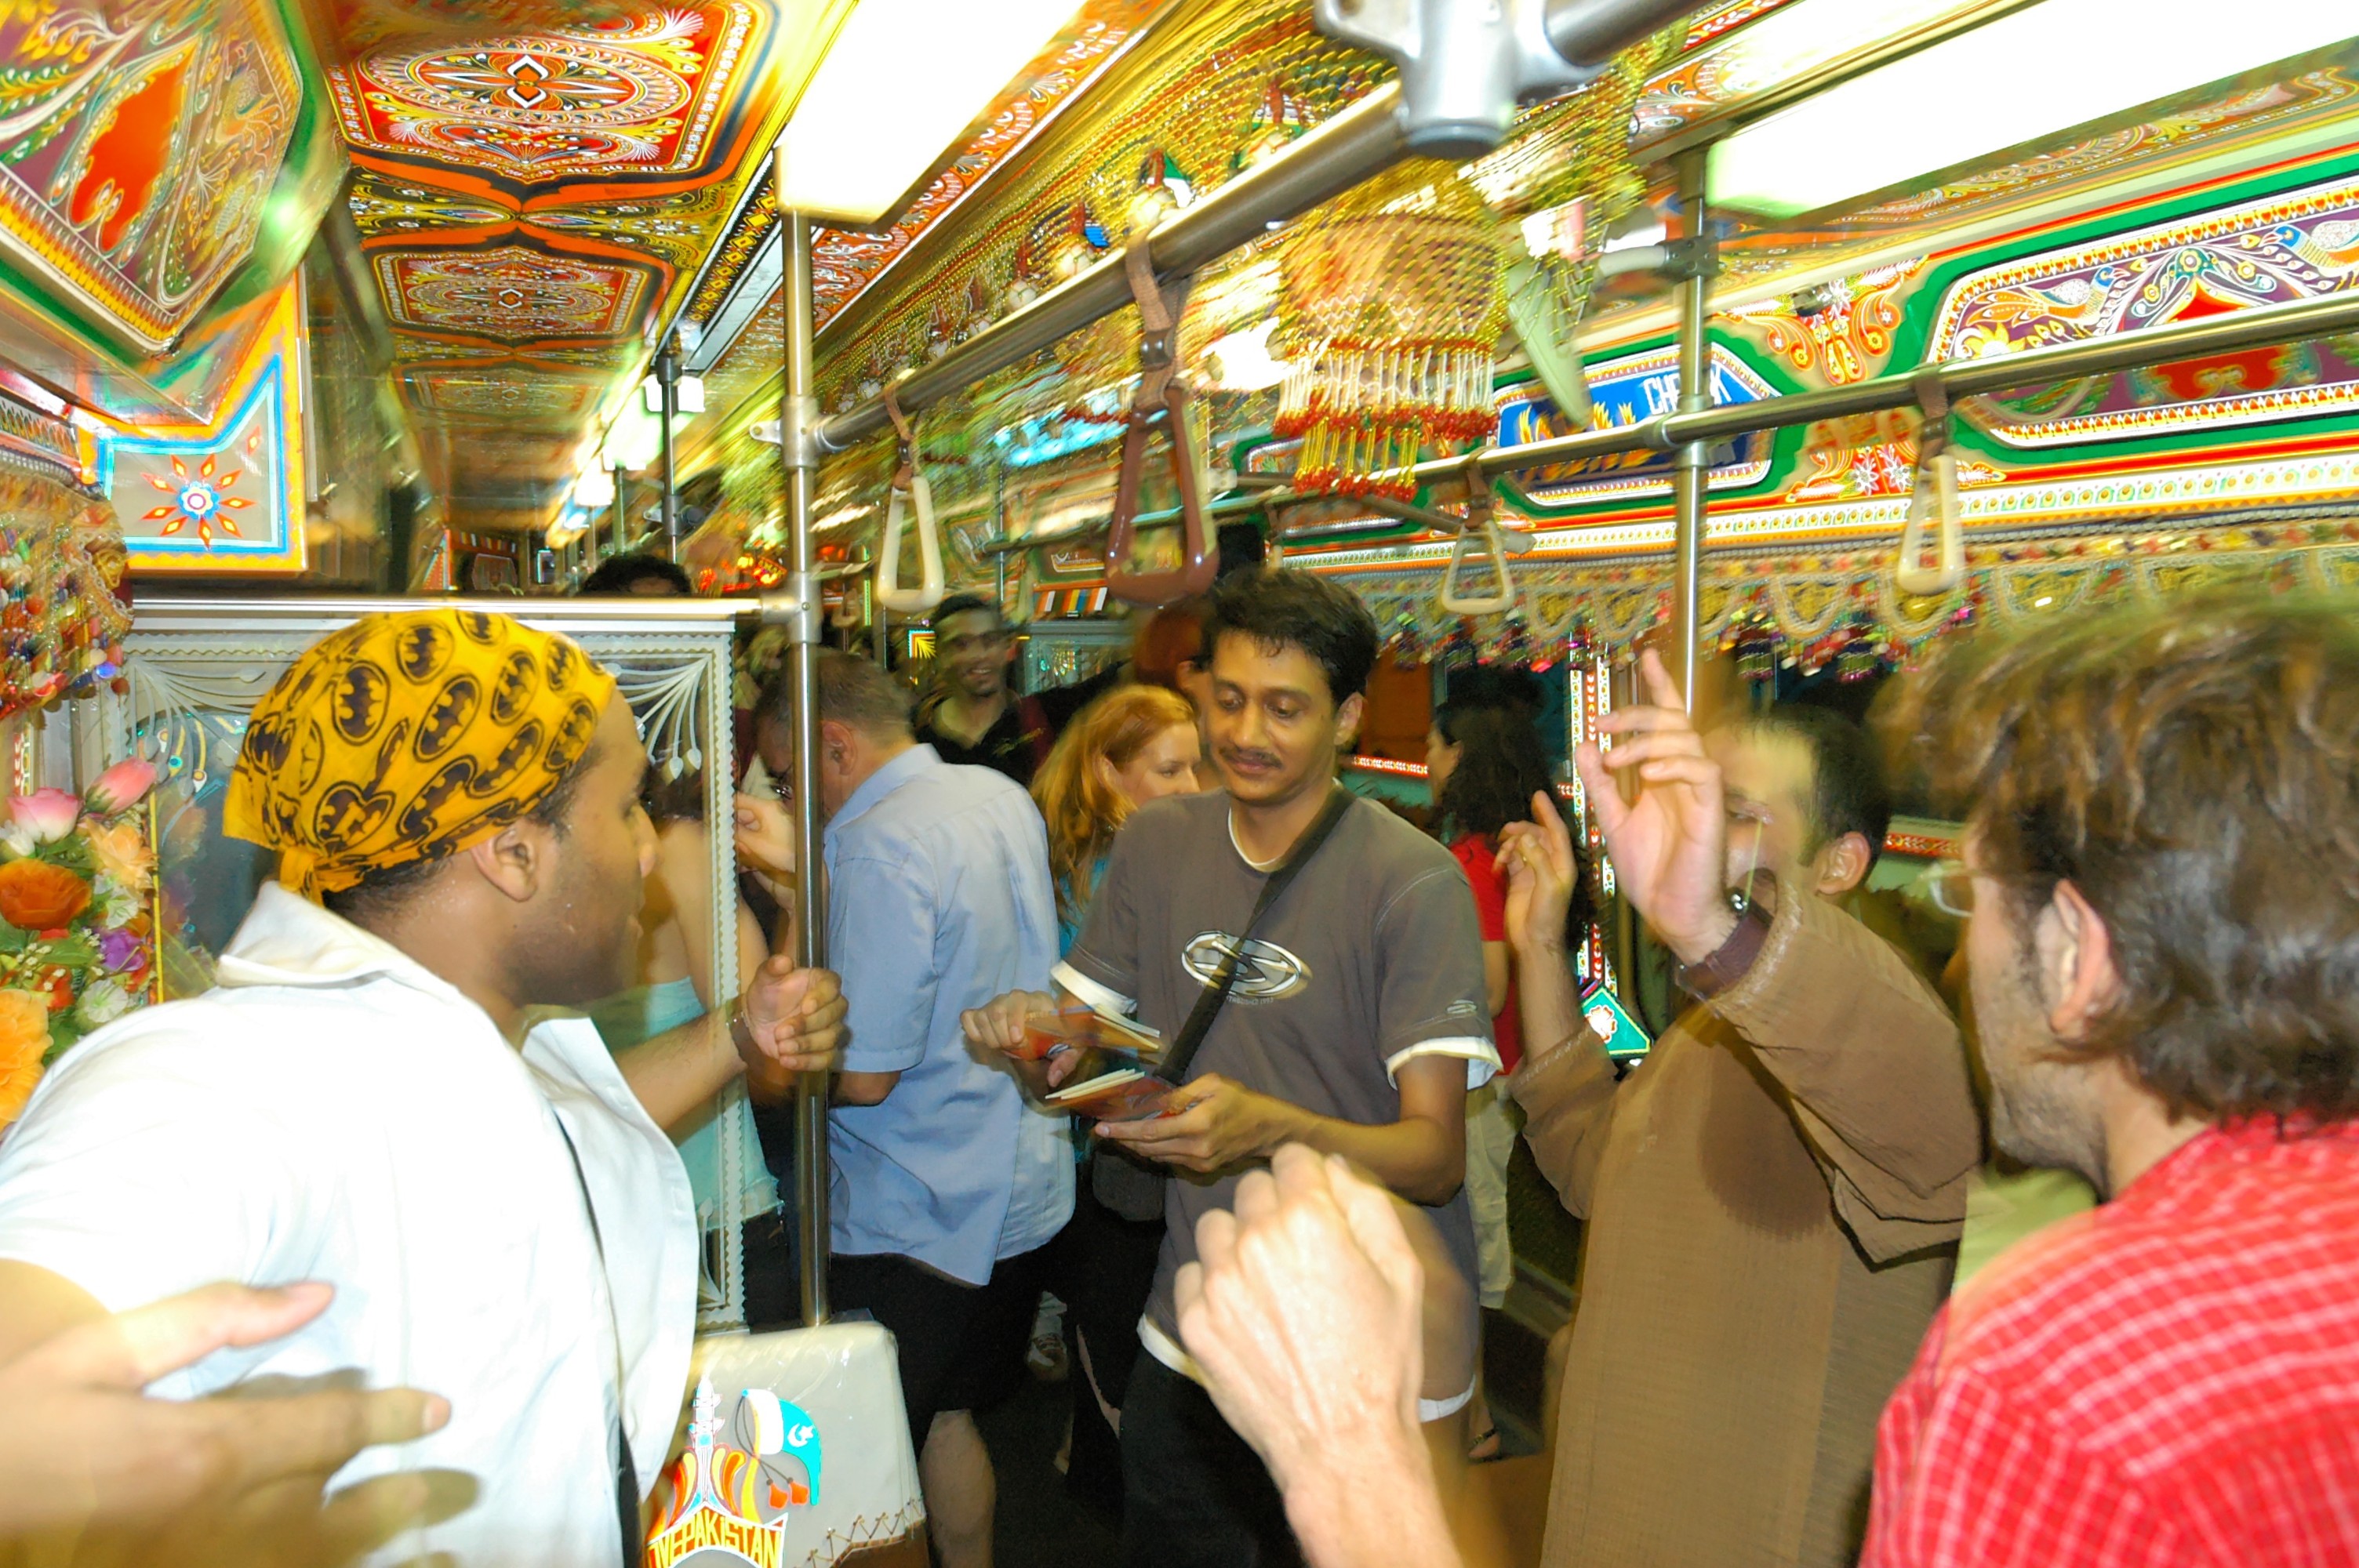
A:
(741, 1029)
(1727, 964)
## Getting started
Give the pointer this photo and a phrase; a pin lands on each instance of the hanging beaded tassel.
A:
(1391, 305)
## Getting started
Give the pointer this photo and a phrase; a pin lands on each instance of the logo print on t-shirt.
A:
(1266, 971)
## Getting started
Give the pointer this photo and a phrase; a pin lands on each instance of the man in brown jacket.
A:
(1773, 1198)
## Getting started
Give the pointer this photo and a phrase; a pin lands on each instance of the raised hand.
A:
(1669, 846)
(1305, 1310)
(1537, 858)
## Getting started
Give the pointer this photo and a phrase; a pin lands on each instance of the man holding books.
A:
(1345, 1013)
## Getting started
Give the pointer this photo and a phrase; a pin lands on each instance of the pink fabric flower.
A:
(47, 815)
(122, 785)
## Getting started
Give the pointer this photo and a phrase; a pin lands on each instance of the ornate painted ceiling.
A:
(536, 185)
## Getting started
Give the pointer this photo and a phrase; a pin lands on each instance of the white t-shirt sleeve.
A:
(145, 1167)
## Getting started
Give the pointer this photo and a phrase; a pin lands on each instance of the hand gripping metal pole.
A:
(908, 485)
(798, 609)
(1932, 497)
(1482, 516)
(1161, 397)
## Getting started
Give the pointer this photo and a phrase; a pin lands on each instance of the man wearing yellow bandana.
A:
(373, 1097)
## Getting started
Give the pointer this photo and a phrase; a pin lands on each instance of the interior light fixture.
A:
(688, 393)
(901, 81)
(634, 440)
(2028, 75)
(1243, 360)
(594, 489)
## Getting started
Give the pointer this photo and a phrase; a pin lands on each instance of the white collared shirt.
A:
(332, 1111)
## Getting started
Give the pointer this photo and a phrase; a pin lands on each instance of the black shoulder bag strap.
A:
(1190, 1038)
(1131, 1187)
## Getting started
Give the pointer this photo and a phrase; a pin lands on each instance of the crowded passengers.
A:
(389, 1145)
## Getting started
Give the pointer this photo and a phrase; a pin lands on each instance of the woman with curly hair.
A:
(1135, 745)
(1484, 764)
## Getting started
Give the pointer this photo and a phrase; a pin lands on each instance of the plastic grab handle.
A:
(1494, 545)
(931, 587)
(1932, 497)
(1203, 553)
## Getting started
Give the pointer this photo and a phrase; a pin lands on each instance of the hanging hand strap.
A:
(907, 485)
(1161, 395)
(1934, 496)
(1481, 518)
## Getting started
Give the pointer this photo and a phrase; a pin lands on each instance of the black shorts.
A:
(961, 1346)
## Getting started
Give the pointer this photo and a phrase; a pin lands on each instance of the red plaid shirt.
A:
(2171, 1378)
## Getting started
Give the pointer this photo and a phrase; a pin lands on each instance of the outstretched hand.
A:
(85, 1451)
(1669, 847)
(1305, 1310)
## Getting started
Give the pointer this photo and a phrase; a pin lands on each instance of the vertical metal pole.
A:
(620, 516)
(1690, 480)
(668, 384)
(799, 448)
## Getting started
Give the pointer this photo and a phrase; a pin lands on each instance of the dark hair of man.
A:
(380, 894)
(1848, 794)
(618, 573)
(965, 604)
(1501, 765)
(1280, 610)
(852, 691)
(2192, 769)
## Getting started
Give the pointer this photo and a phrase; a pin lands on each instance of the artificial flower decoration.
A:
(47, 815)
(74, 953)
(40, 896)
(122, 786)
(24, 1046)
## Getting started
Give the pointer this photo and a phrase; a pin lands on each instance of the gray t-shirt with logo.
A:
(1371, 957)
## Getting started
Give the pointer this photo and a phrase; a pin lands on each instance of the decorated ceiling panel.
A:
(137, 143)
(536, 185)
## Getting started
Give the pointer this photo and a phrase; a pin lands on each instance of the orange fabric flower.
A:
(122, 852)
(37, 896)
(23, 1038)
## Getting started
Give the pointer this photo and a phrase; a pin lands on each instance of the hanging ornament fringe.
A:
(1392, 302)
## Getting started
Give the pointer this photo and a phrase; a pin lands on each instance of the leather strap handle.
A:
(1161, 398)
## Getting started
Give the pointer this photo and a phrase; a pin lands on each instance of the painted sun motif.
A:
(201, 500)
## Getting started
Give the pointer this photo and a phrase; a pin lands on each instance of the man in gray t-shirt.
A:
(1371, 960)
(1357, 1023)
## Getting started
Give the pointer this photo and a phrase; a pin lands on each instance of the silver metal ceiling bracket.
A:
(1465, 64)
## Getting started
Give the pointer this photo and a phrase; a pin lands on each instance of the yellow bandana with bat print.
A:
(409, 737)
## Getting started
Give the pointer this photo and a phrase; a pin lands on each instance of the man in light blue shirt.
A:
(948, 1186)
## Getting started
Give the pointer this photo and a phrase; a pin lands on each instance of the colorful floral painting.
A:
(136, 146)
(2248, 256)
(227, 496)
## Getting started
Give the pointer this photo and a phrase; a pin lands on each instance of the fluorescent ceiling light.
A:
(688, 392)
(1244, 360)
(594, 489)
(902, 80)
(2028, 75)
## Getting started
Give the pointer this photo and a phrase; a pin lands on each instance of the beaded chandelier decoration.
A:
(1392, 300)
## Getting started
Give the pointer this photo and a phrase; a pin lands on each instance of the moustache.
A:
(1250, 759)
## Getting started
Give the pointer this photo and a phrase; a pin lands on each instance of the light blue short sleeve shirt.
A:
(937, 901)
